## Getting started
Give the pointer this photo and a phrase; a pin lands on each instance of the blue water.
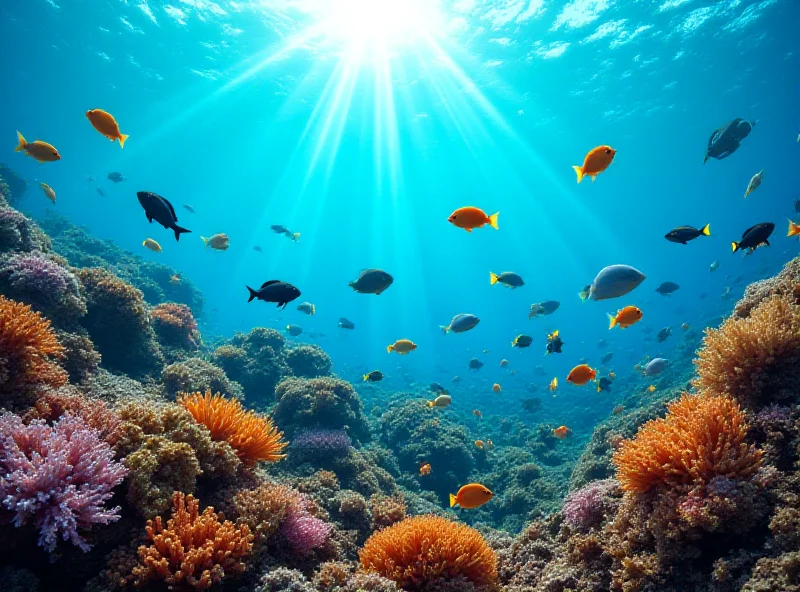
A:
(364, 140)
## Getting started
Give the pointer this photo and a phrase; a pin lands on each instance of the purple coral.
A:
(585, 507)
(58, 476)
(49, 287)
(302, 531)
(319, 444)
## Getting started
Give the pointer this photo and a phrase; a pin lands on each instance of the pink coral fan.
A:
(175, 325)
(302, 531)
(59, 476)
(585, 507)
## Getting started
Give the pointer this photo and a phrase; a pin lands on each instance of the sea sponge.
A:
(424, 550)
(197, 375)
(308, 361)
(193, 550)
(254, 438)
(701, 437)
(756, 359)
(175, 325)
(28, 346)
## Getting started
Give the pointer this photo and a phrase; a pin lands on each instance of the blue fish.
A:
(615, 281)
(460, 323)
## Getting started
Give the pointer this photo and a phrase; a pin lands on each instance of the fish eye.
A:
(608, 150)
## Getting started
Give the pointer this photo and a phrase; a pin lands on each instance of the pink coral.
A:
(585, 507)
(302, 531)
(175, 325)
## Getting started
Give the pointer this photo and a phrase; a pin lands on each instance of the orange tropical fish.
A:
(794, 229)
(105, 123)
(477, 413)
(38, 150)
(651, 388)
(581, 374)
(562, 432)
(630, 315)
(471, 496)
(496, 387)
(479, 444)
(553, 384)
(471, 217)
(596, 161)
(425, 469)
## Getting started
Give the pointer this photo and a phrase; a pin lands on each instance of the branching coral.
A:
(701, 437)
(59, 476)
(194, 550)
(254, 438)
(786, 283)
(28, 346)
(423, 550)
(53, 404)
(175, 325)
(755, 359)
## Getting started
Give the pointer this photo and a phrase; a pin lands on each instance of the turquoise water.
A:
(364, 125)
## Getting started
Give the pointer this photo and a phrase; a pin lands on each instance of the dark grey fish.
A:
(604, 384)
(507, 278)
(294, 330)
(726, 140)
(279, 229)
(543, 308)
(664, 334)
(655, 366)
(667, 288)
(345, 324)
(372, 281)
(683, 234)
(101, 192)
(437, 388)
(754, 237)
(116, 177)
(475, 364)
(374, 376)
(615, 281)
(257, 249)
(606, 357)
(159, 209)
(189, 208)
(275, 291)
(460, 323)
(522, 341)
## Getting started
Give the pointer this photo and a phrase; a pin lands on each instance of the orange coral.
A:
(27, 347)
(754, 359)
(701, 437)
(175, 325)
(253, 437)
(194, 550)
(425, 549)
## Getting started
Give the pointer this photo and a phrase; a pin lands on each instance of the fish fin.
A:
(707, 229)
(493, 277)
(446, 330)
(794, 229)
(122, 138)
(205, 240)
(593, 177)
(468, 230)
(706, 158)
(578, 171)
(734, 247)
(313, 310)
(389, 349)
(253, 294)
(583, 296)
(22, 143)
(612, 321)
(766, 242)
(179, 231)
(493, 220)
(452, 500)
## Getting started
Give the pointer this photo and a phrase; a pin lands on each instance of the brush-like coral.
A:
(308, 361)
(194, 550)
(263, 509)
(701, 437)
(60, 477)
(28, 346)
(175, 325)
(423, 550)
(197, 375)
(302, 531)
(254, 438)
(756, 359)
(586, 507)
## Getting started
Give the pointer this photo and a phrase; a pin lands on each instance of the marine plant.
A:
(755, 359)
(701, 437)
(175, 325)
(57, 476)
(193, 550)
(253, 437)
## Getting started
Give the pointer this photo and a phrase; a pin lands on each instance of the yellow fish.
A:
(401, 346)
(105, 123)
(38, 150)
(218, 242)
(651, 388)
(441, 401)
(152, 245)
(471, 496)
(553, 384)
(48, 191)
(794, 229)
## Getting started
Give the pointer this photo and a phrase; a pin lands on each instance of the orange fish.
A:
(581, 374)
(794, 229)
(489, 444)
(651, 388)
(471, 496)
(479, 444)
(471, 217)
(562, 432)
(38, 150)
(105, 123)
(496, 388)
(553, 384)
(618, 409)
(402, 346)
(595, 162)
(425, 469)
(477, 413)
(630, 315)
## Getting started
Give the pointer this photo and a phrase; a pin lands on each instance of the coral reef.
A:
(254, 438)
(255, 360)
(19, 233)
(586, 507)
(193, 550)
(197, 375)
(12, 185)
(786, 283)
(314, 445)
(53, 404)
(263, 509)
(424, 550)
(80, 359)
(175, 326)
(59, 477)
(308, 361)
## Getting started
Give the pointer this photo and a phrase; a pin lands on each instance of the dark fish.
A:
(601, 343)
(543, 308)
(294, 330)
(554, 345)
(116, 177)
(279, 229)
(797, 206)
(667, 288)
(257, 249)
(475, 364)
(683, 234)
(275, 291)
(189, 208)
(522, 341)
(662, 335)
(604, 384)
(101, 192)
(606, 357)
(374, 376)
(372, 281)
(584, 294)
(725, 140)
(460, 323)
(754, 237)
(655, 366)
(438, 388)
(159, 209)
(345, 324)
(507, 278)
(532, 405)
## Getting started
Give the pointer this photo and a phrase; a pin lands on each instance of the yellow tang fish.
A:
(48, 191)
(152, 245)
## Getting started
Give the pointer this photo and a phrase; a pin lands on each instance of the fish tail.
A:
(493, 277)
(706, 158)
(707, 229)
(122, 138)
(431, 403)
(389, 349)
(794, 229)
(583, 296)
(452, 500)
(205, 240)
(578, 171)
(366, 377)
(22, 143)
(734, 246)
(313, 310)
(179, 231)
(493, 220)
(446, 330)
(612, 321)
(253, 294)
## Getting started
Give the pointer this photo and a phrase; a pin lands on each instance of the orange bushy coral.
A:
(175, 325)
(253, 437)
(418, 551)
(701, 437)
(194, 550)
(755, 359)
(28, 346)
